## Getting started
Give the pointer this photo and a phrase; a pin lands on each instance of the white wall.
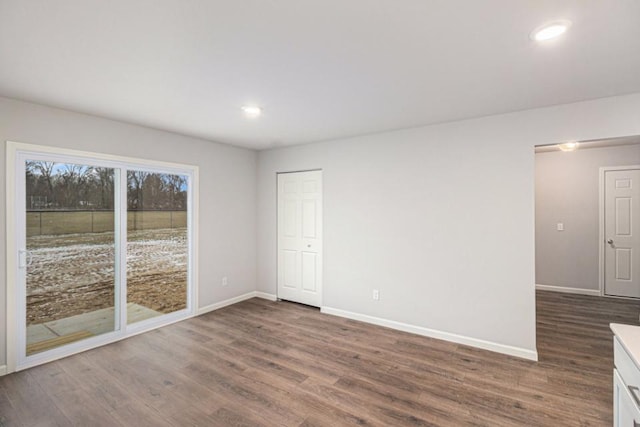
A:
(567, 191)
(227, 229)
(440, 219)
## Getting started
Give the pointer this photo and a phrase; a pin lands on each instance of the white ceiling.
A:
(321, 69)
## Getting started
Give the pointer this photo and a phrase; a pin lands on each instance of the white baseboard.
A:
(234, 300)
(219, 305)
(566, 290)
(264, 295)
(3, 370)
(432, 333)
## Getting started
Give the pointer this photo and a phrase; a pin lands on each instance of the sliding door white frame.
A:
(15, 223)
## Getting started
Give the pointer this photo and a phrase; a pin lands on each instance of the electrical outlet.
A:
(225, 282)
(376, 294)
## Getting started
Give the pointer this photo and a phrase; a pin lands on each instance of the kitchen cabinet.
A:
(626, 376)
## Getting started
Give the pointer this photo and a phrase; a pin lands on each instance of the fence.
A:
(69, 222)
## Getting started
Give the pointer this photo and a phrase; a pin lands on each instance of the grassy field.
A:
(75, 222)
(74, 273)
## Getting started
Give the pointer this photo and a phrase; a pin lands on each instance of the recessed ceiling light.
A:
(568, 146)
(252, 110)
(550, 30)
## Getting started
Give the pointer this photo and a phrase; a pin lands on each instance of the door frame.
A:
(13, 149)
(277, 221)
(601, 223)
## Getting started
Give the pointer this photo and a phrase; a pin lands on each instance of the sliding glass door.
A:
(103, 250)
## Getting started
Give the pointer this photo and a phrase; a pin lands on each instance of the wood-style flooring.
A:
(261, 363)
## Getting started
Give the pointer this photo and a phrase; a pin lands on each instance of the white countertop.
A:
(629, 336)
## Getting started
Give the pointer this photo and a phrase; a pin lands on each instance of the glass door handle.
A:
(25, 259)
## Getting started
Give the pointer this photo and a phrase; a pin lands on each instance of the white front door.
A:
(300, 237)
(622, 233)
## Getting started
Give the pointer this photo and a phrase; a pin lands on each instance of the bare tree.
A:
(46, 171)
(72, 186)
(68, 186)
(154, 192)
(176, 187)
(135, 182)
(103, 178)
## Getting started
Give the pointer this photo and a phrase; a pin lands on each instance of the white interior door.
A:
(300, 237)
(622, 233)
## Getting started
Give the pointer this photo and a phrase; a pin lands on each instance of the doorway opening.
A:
(583, 200)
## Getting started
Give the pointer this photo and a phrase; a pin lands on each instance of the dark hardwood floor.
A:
(265, 363)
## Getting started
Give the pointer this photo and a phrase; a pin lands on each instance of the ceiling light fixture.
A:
(252, 111)
(550, 30)
(568, 146)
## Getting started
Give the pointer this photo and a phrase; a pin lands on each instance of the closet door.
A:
(300, 237)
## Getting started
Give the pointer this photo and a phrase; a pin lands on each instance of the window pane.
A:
(157, 244)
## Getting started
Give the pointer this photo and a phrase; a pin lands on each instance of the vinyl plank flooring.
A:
(237, 417)
(261, 363)
(32, 406)
(8, 414)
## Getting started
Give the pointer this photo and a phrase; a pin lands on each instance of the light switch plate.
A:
(560, 226)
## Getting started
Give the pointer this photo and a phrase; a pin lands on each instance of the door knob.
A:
(610, 241)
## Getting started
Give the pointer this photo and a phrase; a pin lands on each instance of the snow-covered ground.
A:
(74, 274)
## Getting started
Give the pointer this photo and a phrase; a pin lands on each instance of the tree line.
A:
(66, 186)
